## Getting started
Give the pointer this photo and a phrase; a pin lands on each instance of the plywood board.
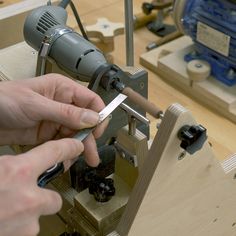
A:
(172, 68)
(12, 18)
(175, 197)
(17, 62)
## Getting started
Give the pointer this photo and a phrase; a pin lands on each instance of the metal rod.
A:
(129, 31)
(132, 125)
(134, 113)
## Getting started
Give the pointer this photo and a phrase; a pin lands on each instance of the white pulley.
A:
(198, 70)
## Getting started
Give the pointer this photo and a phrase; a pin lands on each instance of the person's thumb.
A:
(66, 114)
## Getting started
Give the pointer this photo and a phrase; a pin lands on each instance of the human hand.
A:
(49, 107)
(22, 202)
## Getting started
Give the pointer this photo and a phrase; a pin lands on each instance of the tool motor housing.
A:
(212, 26)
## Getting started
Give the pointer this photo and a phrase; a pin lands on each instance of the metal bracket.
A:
(46, 47)
(131, 158)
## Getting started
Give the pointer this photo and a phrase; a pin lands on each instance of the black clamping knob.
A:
(147, 8)
(102, 189)
(192, 138)
(71, 234)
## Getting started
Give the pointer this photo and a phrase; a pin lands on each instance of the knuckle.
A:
(16, 169)
(67, 110)
(53, 76)
(76, 147)
(32, 203)
(25, 170)
(59, 79)
(57, 149)
(66, 148)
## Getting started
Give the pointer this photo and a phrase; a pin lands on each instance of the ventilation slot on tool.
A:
(46, 22)
(80, 59)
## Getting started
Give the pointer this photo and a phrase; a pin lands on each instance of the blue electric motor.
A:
(212, 26)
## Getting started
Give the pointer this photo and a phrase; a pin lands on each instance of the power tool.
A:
(46, 31)
(211, 25)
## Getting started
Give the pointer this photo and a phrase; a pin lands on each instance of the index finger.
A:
(83, 97)
(48, 154)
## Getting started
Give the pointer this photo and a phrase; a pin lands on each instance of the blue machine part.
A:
(212, 26)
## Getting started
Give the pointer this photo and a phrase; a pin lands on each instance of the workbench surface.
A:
(221, 131)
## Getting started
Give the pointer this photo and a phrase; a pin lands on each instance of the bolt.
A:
(198, 65)
(123, 154)
(141, 85)
(158, 125)
(233, 13)
(105, 26)
(231, 74)
(193, 54)
(182, 155)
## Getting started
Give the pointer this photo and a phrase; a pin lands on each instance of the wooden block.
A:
(104, 216)
(12, 18)
(4, 3)
(135, 146)
(175, 197)
(105, 30)
(21, 55)
(172, 68)
(17, 62)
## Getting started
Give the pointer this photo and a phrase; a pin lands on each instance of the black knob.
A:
(71, 234)
(147, 8)
(192, 138)
(102, 189)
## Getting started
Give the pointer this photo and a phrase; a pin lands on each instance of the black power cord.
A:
(64, 4)
(77, 17)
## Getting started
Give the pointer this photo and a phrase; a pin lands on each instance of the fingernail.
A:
(89, 118)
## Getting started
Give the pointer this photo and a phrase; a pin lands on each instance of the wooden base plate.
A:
(168, 62)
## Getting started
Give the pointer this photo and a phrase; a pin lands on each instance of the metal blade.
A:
(82, 134)
(111, 107)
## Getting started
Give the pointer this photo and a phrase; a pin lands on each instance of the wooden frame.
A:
(12, 19)
(191, 196)
(168, 62)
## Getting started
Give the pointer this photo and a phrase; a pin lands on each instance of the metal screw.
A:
(198, 65)
(141, 85)
(233, 13)
(123, 155)
(231, 74)
(182, 155)
(105, 26)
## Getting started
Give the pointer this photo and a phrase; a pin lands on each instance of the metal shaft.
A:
(134, 113)
(132, 125)
(129, 31)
